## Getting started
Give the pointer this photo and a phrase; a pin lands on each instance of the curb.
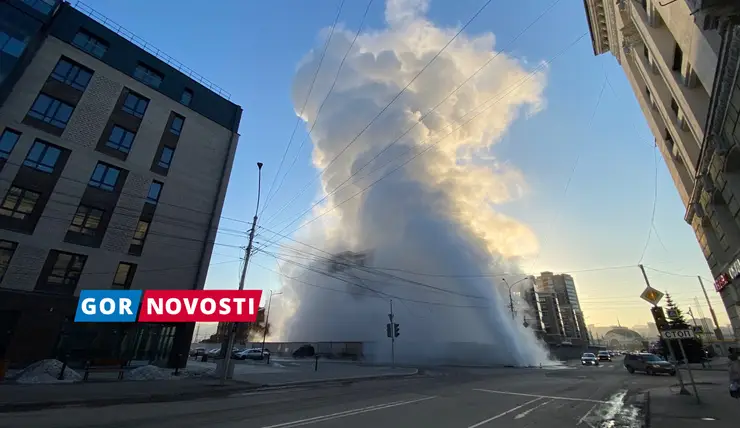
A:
(214, 391)
(348, 379)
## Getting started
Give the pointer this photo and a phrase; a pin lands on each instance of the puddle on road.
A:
(615, 413)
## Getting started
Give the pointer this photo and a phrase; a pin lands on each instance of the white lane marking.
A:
(585, 416)
(526, 412)
(338, 415)
(513, 409)
(552, 397)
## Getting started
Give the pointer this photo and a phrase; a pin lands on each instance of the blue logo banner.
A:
(108, 306)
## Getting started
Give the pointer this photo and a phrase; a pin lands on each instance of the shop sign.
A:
(721, 282)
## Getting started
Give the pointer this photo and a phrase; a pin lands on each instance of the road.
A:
(455, 398)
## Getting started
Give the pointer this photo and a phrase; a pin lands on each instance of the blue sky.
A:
(252, 49)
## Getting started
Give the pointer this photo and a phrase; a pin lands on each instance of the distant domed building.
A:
(623, 338)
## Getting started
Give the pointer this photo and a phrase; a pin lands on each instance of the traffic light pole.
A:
(683, 390)
(393, 336)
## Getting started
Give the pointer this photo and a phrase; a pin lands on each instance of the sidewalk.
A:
(717, 408)
(19, 397)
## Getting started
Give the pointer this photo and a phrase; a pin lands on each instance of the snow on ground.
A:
(47, 371)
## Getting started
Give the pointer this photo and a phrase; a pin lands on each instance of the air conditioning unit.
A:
(707, 183)
(698, 209)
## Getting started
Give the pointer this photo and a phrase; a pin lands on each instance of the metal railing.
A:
(138, 41)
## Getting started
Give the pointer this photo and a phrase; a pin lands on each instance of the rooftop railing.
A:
(138, 41)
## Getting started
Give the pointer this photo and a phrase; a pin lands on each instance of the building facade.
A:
(681, 59)
(555, 309)
(114, 164)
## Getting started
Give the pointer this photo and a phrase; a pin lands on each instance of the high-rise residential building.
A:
(558, 310)
(114, 164)
(681, 58)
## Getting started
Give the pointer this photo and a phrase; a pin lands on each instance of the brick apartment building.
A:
(114, 164)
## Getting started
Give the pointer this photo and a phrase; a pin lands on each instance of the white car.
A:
(589, 359)
(252, 354)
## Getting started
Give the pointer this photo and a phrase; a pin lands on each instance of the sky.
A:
(587, 155)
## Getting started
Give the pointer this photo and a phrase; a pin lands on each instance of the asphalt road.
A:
(455, 398)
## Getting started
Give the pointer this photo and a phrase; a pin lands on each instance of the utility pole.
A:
(247, 253)
(718, 332)
(393, 336)
(267, 322)
(683, 390)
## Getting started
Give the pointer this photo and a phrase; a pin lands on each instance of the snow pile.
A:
(160, 373)
(47, 371)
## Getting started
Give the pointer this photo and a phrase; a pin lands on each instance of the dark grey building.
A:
(114, 164)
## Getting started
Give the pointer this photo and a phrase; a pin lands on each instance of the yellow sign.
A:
(651, 295)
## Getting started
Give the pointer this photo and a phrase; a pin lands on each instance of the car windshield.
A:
(653, 358)
(603, 353)
(588, 356)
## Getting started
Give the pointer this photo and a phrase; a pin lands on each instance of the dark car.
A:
(604, 356)
(304, 351)
(649, 363)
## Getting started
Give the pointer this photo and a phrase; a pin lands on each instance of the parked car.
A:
(304, 351)
(604, 356)
(252, 354)
(649, 363)
(589, 359)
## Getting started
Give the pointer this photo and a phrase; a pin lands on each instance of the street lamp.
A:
(511, 298)
(267, 320)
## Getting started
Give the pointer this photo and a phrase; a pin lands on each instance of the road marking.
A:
(526, 412)
(585, 416)
(268, 391)
(339, 415)
(513, 409)
(552, 397)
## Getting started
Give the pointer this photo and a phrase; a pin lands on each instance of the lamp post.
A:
(267, 321)
(511, 297)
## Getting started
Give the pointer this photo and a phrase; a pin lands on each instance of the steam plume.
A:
(436, 215)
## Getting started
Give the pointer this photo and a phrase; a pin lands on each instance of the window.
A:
(186, 97)
(7, 142)
(124, 276)
(90, 44)
(86, 220)
(142, 229)
(11, 46)
(148, 76)
(674, 106)
(154, 190)
(135, 104)
(646, 52)
(51, 111)
(42, 156)
(43, 6)
(711, 22)
(19, 203)
(105, 177)
(120, 139)
(177, 122)
(677, 58)
(72, 74)
(165, 159)
(64, 271)
(7, 249)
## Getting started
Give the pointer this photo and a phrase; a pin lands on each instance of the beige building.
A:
(113, 171)
(559, 309)
(681, 59)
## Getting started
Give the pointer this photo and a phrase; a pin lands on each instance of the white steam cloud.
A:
(435, 216)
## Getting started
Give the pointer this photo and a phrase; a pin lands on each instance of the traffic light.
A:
(388, 330)
(395, 330)
(659, 317)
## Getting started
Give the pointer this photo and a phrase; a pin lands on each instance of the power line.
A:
(128, 194)
(305, 103)
(396, 97)
(655, 204)
(425, 150)
(321, 107)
